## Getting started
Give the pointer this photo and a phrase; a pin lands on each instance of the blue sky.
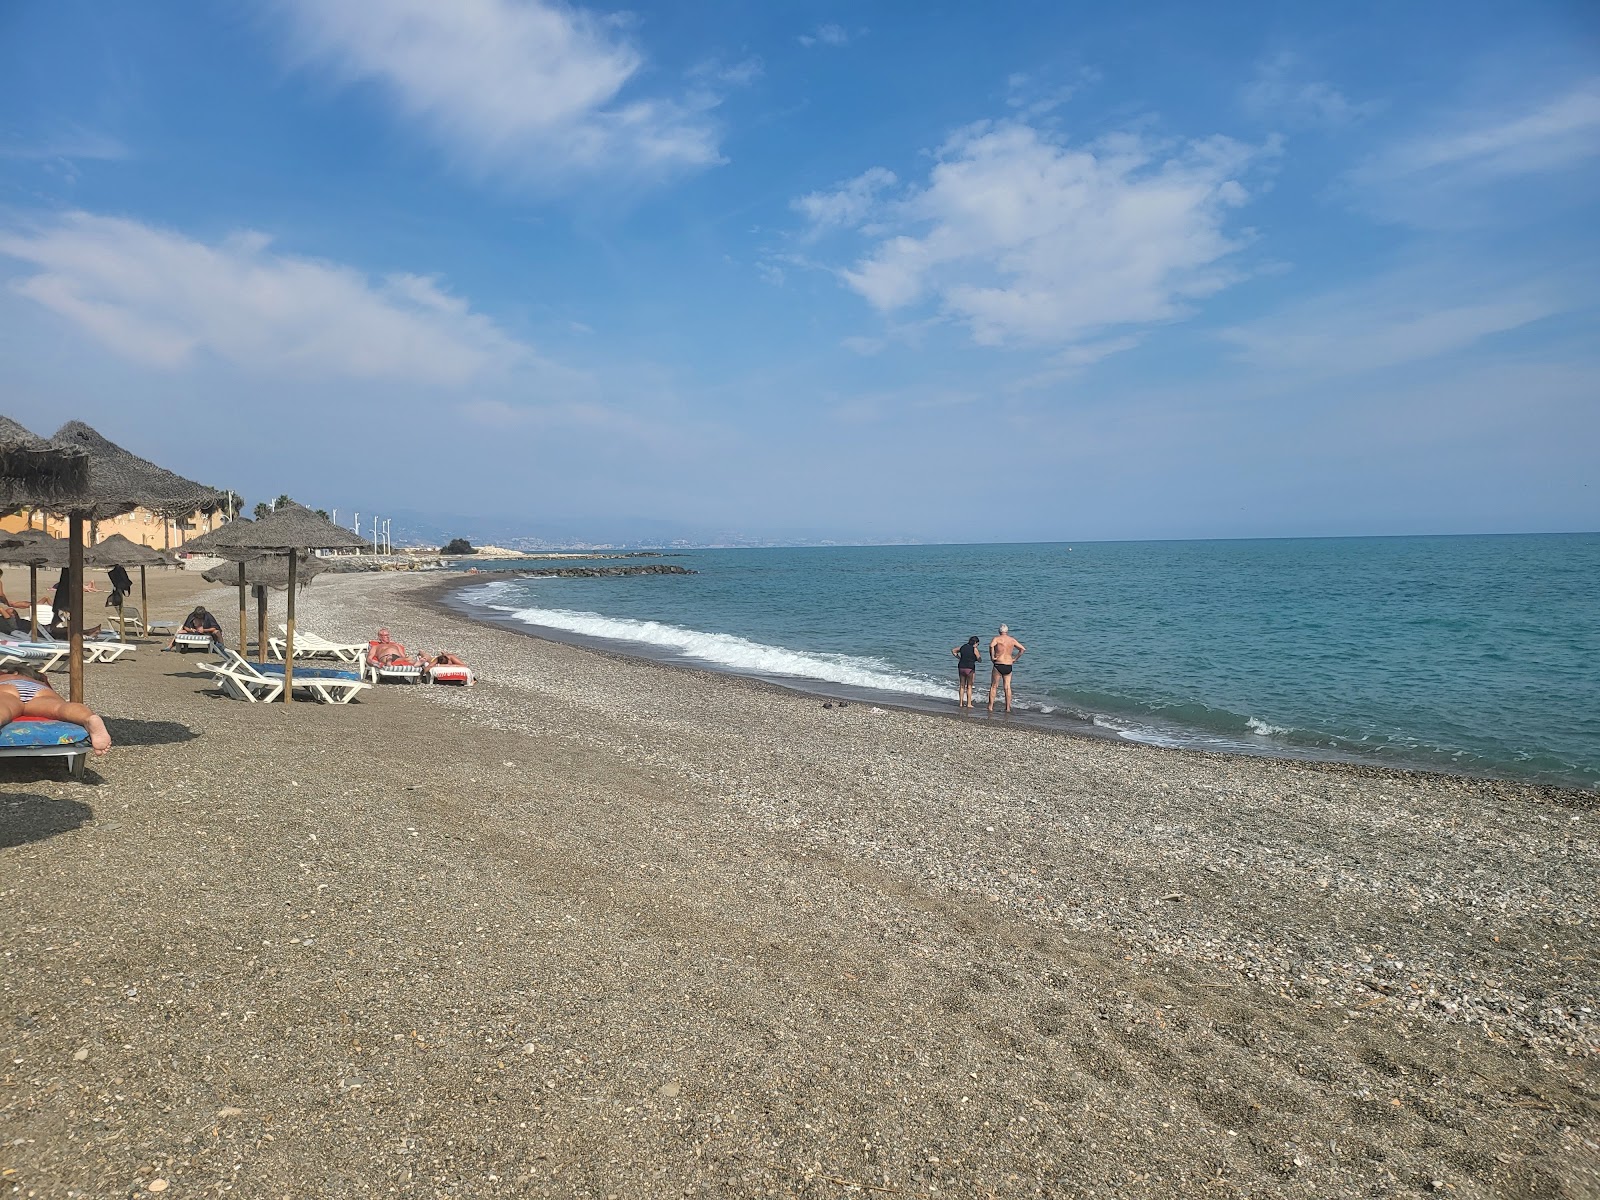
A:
(943, 271)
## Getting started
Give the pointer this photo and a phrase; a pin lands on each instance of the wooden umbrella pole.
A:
(261, 623)
(144, 602)
(244, 623)
(288, 636)
(75, 608)
(33, 596)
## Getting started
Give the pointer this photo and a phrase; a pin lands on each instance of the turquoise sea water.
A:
(1477, 654)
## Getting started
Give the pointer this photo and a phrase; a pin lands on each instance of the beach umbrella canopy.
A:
(267, 570)
(33, 548)
(35, 472)
(217, 543)
(120, 480)
(291, 527)
(118, 551)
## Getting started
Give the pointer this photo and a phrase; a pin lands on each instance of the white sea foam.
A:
(1264, 729)
(729, 652)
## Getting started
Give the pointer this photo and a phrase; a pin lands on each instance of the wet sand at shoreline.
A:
(604, 927)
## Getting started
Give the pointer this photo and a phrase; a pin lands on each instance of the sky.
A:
(944, 271)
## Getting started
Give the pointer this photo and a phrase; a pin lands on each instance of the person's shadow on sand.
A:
(131, 731)
(25, 817)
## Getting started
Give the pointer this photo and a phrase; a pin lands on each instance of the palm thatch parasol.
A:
(120, 476)
(32, 471)
(263, 572)
(33, 548)
(117, 483)
(292, 527)
(118, 551)
(216, 544)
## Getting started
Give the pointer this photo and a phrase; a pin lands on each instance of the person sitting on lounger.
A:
(200, 621)
(384, 651)
(25, 693)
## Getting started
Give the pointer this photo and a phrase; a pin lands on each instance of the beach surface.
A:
(603, 927)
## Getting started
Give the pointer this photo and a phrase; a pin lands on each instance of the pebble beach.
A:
(603, 927)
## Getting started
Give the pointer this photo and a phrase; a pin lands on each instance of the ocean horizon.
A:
(1470, 653)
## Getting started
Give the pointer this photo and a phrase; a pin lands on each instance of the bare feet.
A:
(99, 738)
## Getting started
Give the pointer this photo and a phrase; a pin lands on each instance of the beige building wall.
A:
(140, 526)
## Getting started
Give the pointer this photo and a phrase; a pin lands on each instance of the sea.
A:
(1474, 654)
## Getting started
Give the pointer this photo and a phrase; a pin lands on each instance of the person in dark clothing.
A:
(200, 621)
(967, 656)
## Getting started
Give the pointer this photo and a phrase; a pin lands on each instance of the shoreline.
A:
(439, 594)
(601, 927)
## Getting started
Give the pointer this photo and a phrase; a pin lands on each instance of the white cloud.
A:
(1406, 316)
(1281, 94)
(1440, 176)
(848, 204)
(161, 299)
(529, 90)
(827, 35)
(1027, 239)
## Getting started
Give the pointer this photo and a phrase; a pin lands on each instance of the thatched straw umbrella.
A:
(118, 551)
(292, 527)
(33, 471)
(215, 544)
(118, 482)
(33, 548)
(267, 571)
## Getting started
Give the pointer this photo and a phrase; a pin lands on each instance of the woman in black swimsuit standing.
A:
(967, 656)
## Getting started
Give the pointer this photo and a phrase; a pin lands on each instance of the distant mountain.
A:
(412, 528)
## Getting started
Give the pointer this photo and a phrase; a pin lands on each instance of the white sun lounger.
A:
(41, 656)
(310, 645)
(263, 682)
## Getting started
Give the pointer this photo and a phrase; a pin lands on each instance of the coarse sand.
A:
(601, 927)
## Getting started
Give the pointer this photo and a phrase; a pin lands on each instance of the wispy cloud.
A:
(828, 35)
(1442, 175)
(164, 300)
(71, 143)
(1284, 94)
(1026, 239)
(1405, 316)
(530, 91)
(846, 205)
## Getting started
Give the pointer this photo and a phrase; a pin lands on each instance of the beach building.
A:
(143, 526)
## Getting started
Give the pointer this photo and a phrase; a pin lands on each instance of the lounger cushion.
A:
(37, 731)
(304, 672)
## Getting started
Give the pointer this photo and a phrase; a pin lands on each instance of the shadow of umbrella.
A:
(25, 817)
(133, 731)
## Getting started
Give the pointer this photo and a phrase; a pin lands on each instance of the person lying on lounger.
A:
(25, 693)
(200, 621)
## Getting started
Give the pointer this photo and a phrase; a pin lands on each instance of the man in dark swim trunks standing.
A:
(1004, 650)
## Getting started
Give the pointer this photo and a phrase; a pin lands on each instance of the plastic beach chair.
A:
(263, 682)
(42, 656)
(310, 645)
(40, 737)
(404, 669)
(450, 673)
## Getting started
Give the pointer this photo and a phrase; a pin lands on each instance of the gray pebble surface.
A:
(601, 927)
